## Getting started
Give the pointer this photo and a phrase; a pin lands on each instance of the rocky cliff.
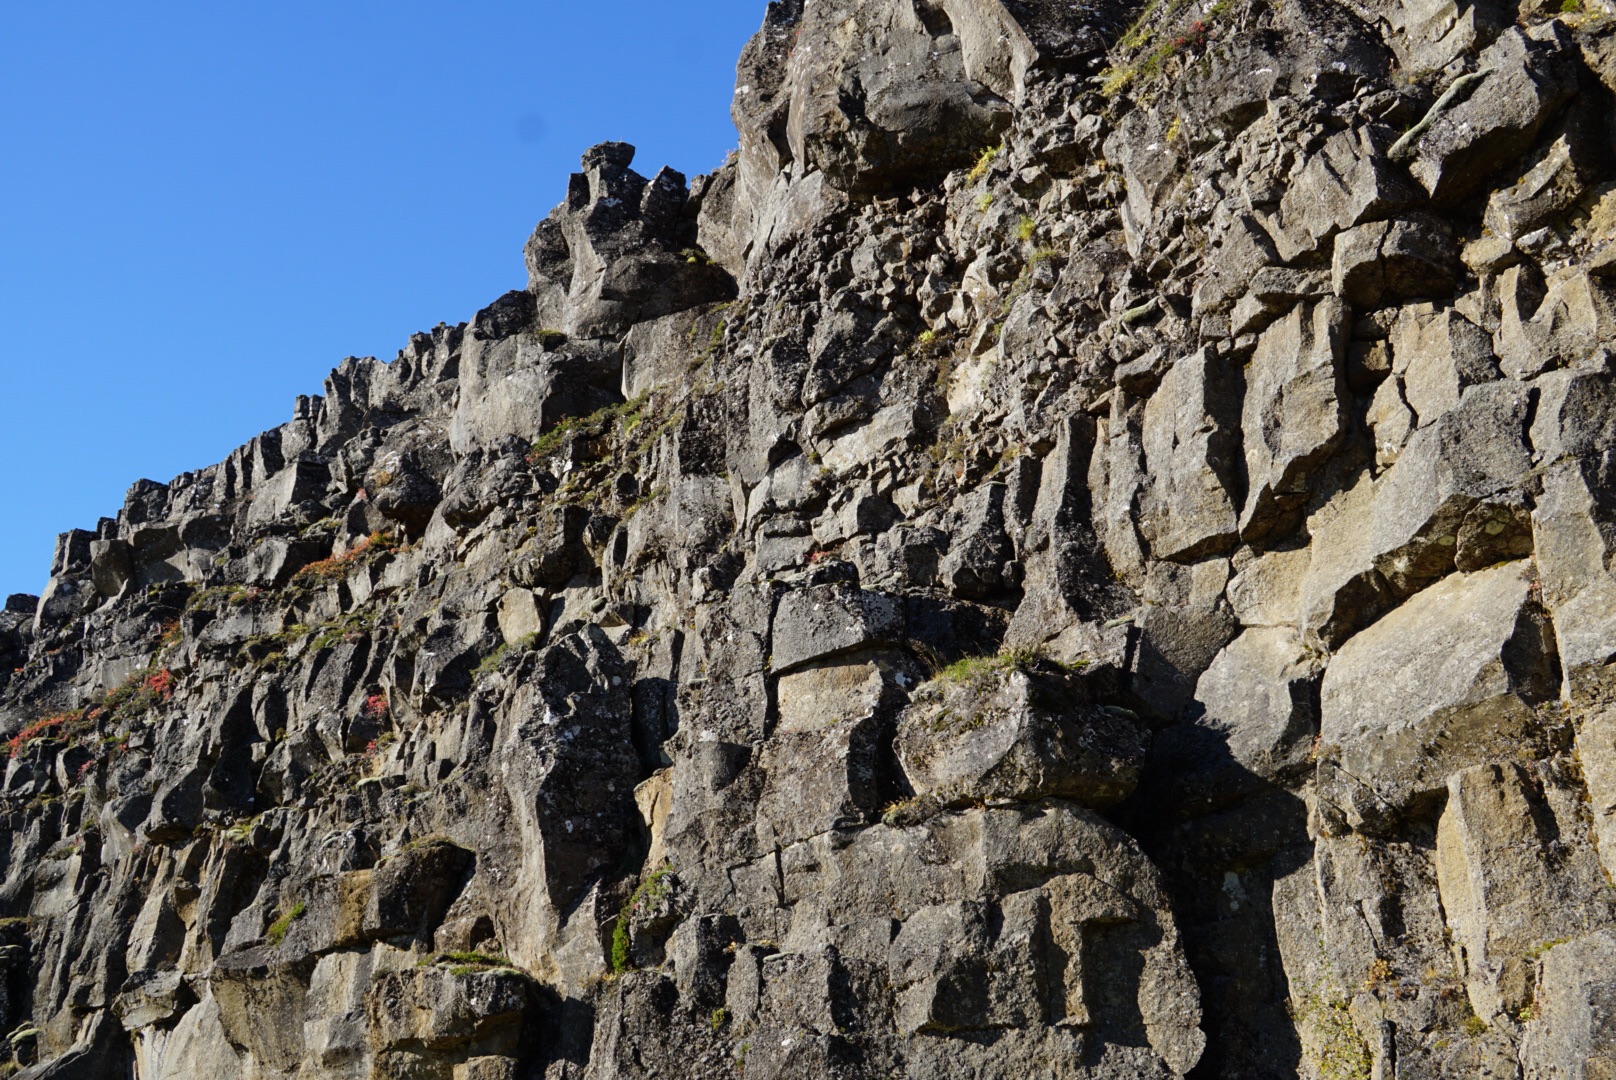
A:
(1084, 550)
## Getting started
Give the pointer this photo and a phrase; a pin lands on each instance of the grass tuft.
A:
(984, 162)
(278, 929)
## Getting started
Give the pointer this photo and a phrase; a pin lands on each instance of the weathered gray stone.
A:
(620, 250)
(893, 98)
(1267, 591)
(1574, 534)
(1507, 886)
(1388, 261)
(1190, 444)
(1523, 83)
(1546, 190)
(1346, 183)
(614, 760)
(824, 620)
(981, 559)
(1438, 353)
(1261, 693)
(1573, 1033)
(1449, 679)
(1468, 468)
(1003, 732)
(1294, 413)
(1390, 420)
(1562, 326)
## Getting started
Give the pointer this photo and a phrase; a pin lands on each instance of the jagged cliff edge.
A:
(1083, 550)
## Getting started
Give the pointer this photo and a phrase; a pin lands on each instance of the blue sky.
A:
(205, 206)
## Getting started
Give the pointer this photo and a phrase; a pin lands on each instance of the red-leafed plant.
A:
(35, 730)
(376, 706)
(161, 685)
(337, 566)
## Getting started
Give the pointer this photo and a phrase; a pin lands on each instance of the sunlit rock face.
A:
(1084, 550)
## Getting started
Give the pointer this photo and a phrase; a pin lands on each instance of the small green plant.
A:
(984, 162)
(973, 668)
(484, 959)
(651, 890)
(1337, 1051)
(1542, 947)
(222, 595)
(597, 422)
(1473, 1026)
(901, 813)
(1137, 40)
(278, 929)
(719, 1018)
(490, 663)
(462, 964)
(1026, 229)
(984, 201)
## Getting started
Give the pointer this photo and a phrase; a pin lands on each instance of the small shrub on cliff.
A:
(596, 423)
(278, 929)
(973, 668)
(337, 566)
(462, 964)
(37, 730)
(1336, 1051)
(650, 890)
(984, 162)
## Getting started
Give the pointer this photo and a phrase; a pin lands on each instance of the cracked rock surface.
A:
(1083, 550)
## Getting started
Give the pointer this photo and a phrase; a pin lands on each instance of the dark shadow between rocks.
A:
(1221, 836)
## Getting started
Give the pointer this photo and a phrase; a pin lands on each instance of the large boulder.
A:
(1448, 680)
(1004, 731)
(1294, 414)
(884, 94)
(1519, 85)
(1191, 441)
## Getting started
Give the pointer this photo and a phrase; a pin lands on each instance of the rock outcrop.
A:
(1083, 550)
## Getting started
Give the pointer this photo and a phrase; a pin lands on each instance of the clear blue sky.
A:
(205, 206)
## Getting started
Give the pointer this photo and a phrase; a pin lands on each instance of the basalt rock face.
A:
(1084, 550)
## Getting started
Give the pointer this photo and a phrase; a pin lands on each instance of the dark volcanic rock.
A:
(1084, 550)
